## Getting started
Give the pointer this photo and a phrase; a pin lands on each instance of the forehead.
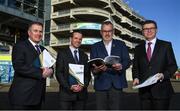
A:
(149, 25)
(107, 26)
(35, 26)
(76, 34)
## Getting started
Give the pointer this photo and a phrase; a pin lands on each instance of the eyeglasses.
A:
(107, 31)
(149, 29)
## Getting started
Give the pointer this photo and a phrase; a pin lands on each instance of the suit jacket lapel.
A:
(80, 56)
(143, 52)
(32, 48)
(113, 47)
(156, 48)
(103, 49)
(70, 55)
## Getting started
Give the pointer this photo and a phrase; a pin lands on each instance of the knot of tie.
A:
(75, 51)
(149, 43)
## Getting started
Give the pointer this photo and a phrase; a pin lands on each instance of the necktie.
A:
(149, 51)
(38, 49)
(75, 56)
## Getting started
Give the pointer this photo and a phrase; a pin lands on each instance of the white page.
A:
(48, 60)
(77, 71)
(148, 82)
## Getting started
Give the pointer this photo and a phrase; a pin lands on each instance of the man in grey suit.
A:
(27, 90)
(72, 94)
(151, 57)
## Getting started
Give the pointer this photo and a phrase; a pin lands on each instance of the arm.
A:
(87, 75)
(125, 57)
(171, 65)
(20, 65)
(96, 70)
(60, 71)
(135, 68)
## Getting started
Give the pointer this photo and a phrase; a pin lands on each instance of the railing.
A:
(127, 32)
(137, 25)
(85, 10)
(136, 35)
(126, 20)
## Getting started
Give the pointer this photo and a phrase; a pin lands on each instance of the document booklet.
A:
(46, 60)
(109, 61)
(151, 80)
(77, 71)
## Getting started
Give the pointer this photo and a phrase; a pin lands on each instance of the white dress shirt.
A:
(152, 45)
(108, 47)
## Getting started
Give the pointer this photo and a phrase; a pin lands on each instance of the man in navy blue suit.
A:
(109, 82)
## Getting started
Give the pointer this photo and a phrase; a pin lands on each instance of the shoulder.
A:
(97, 44)
(21, 44)
(163, 42)
(62, 50)
(82, 52)
(119, 42)
(140, 45)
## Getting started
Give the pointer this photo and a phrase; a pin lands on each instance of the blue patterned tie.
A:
(38, 49)
(75, 56)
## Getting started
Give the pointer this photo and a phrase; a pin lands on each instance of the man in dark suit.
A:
(109, 82)
(28, 86)
(73, 95)
(151, 57)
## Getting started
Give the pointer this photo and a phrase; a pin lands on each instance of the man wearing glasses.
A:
(109, 81)
(152, 57)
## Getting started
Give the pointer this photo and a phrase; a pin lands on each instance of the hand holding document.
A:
(108, 61)
(46, 59)
(77, 71)
(148, 82)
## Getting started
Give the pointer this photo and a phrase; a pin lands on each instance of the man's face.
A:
(76, 40)
(149, 31)
(35, 33)
(107, 32)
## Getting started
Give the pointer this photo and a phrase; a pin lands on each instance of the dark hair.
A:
(107, 22)
(149, 22)
(33, 23)
(75, 31)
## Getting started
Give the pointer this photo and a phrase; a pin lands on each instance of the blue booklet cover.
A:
(72, 80)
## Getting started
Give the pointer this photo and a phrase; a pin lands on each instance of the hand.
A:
(76, 88)
(160, 76)
(47, 72)
(99, 68)
(117, 66)
(135, 81)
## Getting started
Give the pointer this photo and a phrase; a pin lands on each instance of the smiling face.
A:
(149, 31)
(35, 33)
(76, 39)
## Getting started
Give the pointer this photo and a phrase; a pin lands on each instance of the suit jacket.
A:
(105, 80)
(28, 86)
(162, 61)
(65, 57)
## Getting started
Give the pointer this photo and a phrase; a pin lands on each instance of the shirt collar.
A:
(72, 49)
(108, 43)
(33, 43)
(153, 41)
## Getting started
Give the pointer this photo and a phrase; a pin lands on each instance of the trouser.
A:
(155, 104)
(26, 107)
(109, 99)
(73, 105)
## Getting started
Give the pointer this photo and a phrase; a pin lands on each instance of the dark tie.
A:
(38, 49)
(75, 56)
(149, 51)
